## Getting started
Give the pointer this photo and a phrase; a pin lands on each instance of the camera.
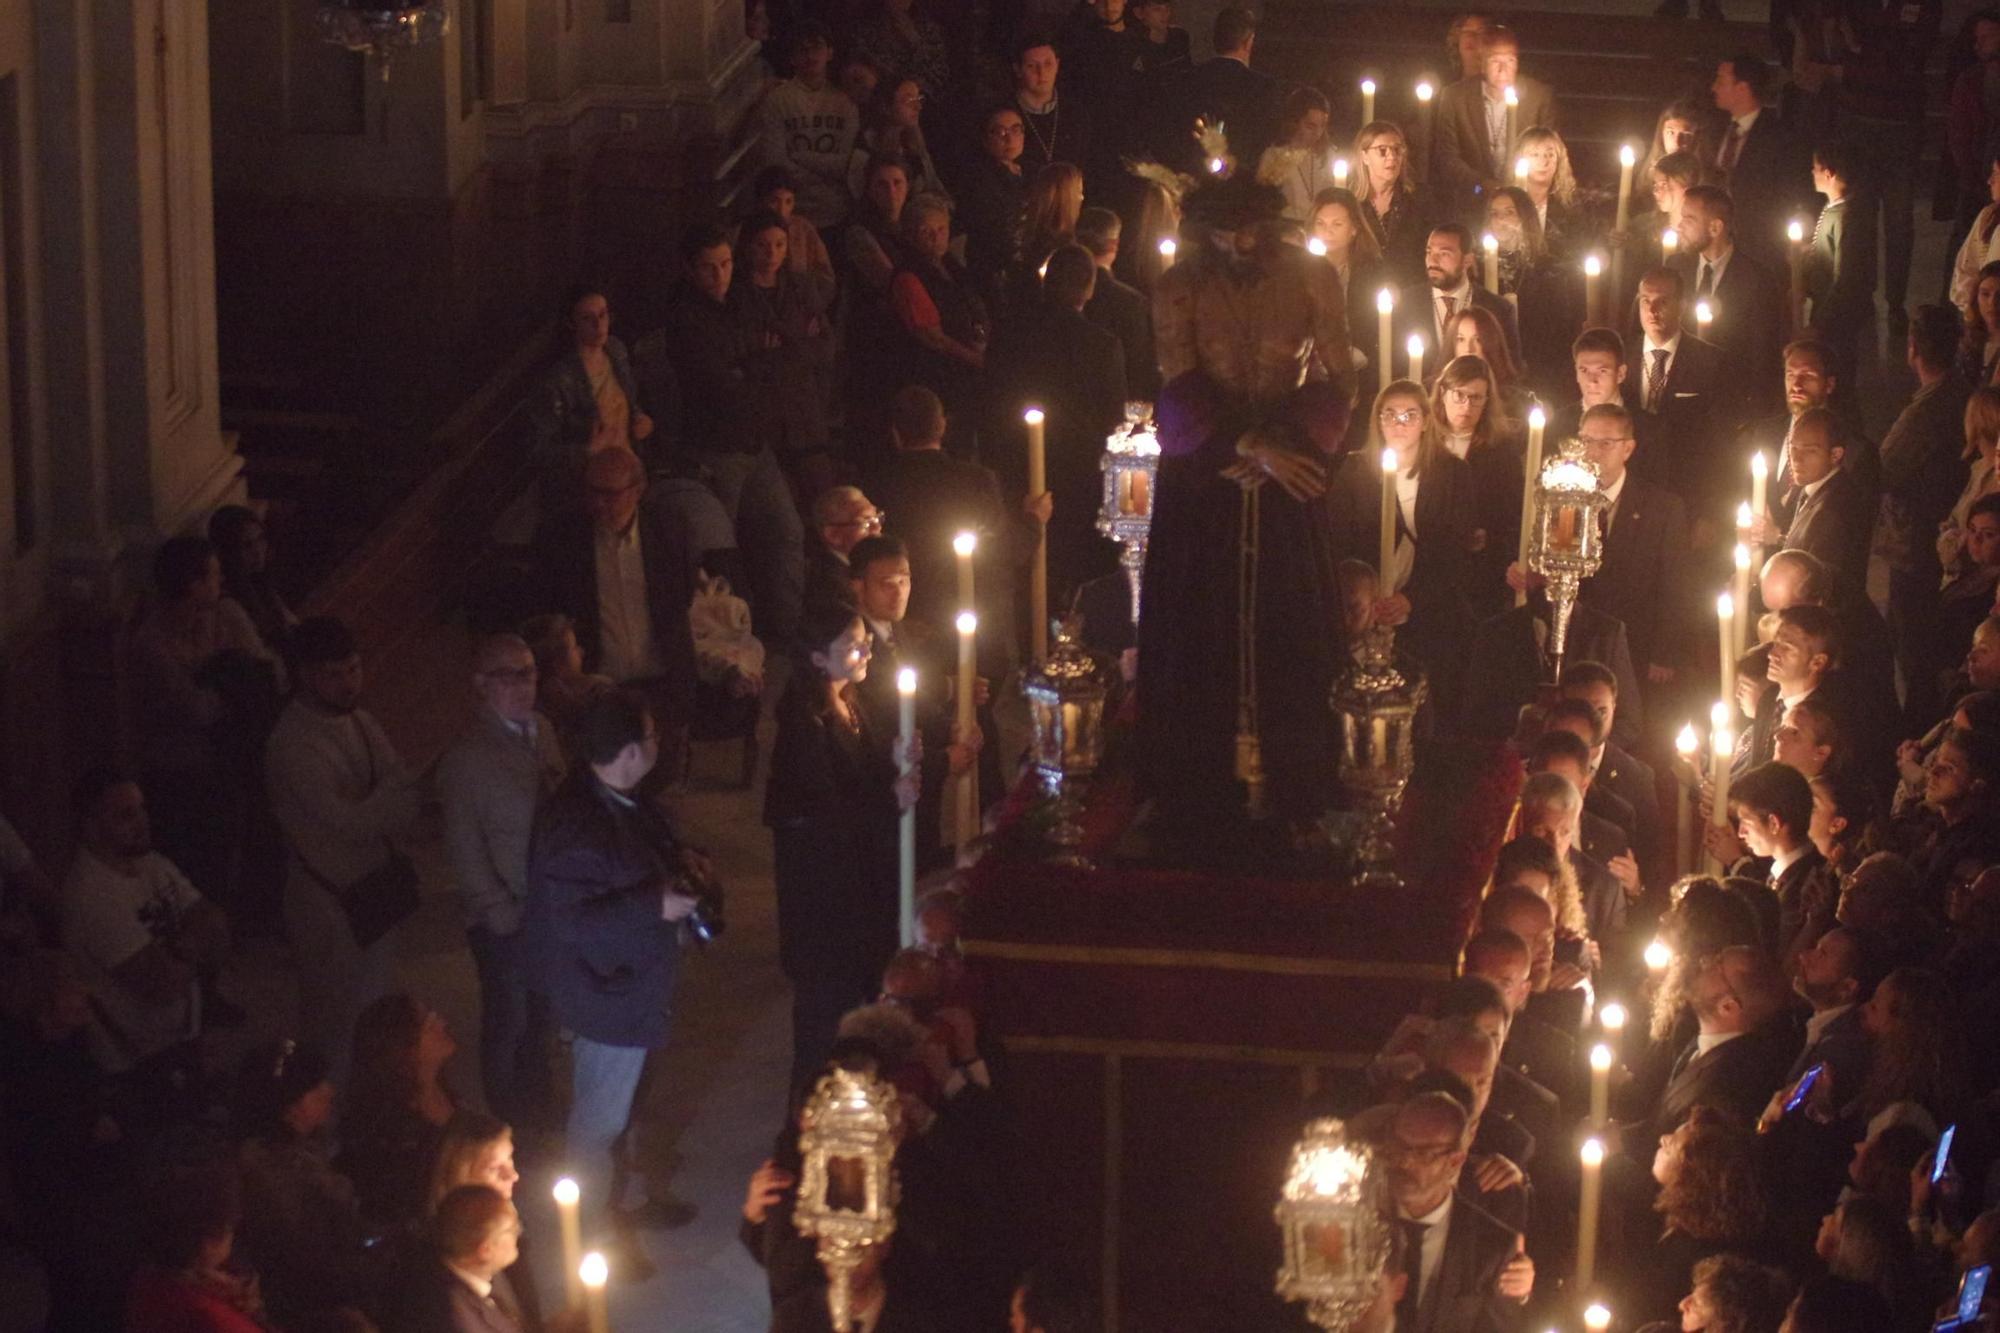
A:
(706, 922)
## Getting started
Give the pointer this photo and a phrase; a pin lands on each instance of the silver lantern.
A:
(1567, 544)
(1376, 700)
(1066, 696)
(1336, 1243)
(380, 27)
(848, 1131)
(1131, 465)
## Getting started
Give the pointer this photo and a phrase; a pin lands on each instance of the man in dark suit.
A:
(1643, 577)
(842, 517)
(1450, 291)
(1681, 401)
(1048, 355)
(1475, 131)
(624, 570)
(1745, 295)
(1810, 380)
(1759, 160)
(1589, 706)
(1512, 650)
(1598, 358)
(1537, 1051)
(1773, 804)
(1467, 1271)
(1833, 518)
(1867, 655)
(1745, 1042)
(462, 1286)
(1121, 310)
(1225, 90)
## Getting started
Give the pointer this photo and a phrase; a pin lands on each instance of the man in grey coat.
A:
(490, 782)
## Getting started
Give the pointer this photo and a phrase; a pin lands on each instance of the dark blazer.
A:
(1619, 774)
(1125, 313)
(1923, 472)
(1736, 1078)
(1790, 889)
(1543, 1057)
(433, 1299)
(1770, 185)
(1836, 523)
(1680, 445)
(566, 543)
(1643, 579)
(595, 870)
(1750, 319)
(1464, 1296)
(1242, 99)
(827, 576)
(1420, 316)
(1463, 158)
(1512, 665)
(1603, 896)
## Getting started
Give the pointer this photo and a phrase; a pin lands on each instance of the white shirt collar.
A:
(1784, 861)
(1812, 487)
(1617, 488)
(1708, 1041)
(1747, 119)
(1671, 346)
(1460, 295)
(1435, 1215)
(481, 1287)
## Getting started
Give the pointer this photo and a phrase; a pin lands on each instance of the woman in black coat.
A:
(832, 804)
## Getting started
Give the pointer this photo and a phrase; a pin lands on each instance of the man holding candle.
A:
(1642, 577)
(1224, 90)
(1476, 128)
(1677, 395)
(1833, 517)
(1746, 294)
(1467, 1270)
(1450, 291)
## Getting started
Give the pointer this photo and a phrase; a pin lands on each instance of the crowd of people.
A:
(953, 221)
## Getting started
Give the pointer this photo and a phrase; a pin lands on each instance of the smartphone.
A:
(1804, 1090)
(1943, 1157)
(1972, 1291)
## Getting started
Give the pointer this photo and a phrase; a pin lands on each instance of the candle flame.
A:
(906, 681)
(1415, 346)
(1600, 1057)
(1489, 242)
(1388, 460)
(1033, 416)
(1167, 248)
(1686, 741)
(1340, 169)
(1597, 1318)
(1718, 714)
(1725, 607)
(1368, 87)
(1760, 466)
(1592, 265)
(1513, 98)
(1425, 90)
(1537, 418)
(1593, 1153)
(1520, 168)
(1215, 166)
(1724, 742)
(1315, 246)
(1703, 312)
(1659, 955)
(968, 623)
(1626, 157)
(965, 543)
(1742, 555)
(1670, 240)
(1385, 300)
(567, 1193)
(1612, 1016)
(593, 1270)
(1796, 231)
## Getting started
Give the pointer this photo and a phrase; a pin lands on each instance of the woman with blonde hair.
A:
(1982, 430)
(1979, 347)
(1049, 210)
(478, 1149)
(1389, 204)
(1549, 184)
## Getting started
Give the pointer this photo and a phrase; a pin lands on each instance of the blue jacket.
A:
(596, 867)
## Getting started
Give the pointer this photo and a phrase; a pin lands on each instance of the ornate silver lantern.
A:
(1376, 700)
(1131, 464)
(1567, 544)
(1066, 696)
(1336, 1241)
(848, 1132)
(380, 27)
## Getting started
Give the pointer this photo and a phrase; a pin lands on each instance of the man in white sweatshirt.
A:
(809, 127)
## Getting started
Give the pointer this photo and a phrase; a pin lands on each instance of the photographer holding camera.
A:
(613, 889)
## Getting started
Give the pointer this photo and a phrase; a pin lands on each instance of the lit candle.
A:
(1538, 421)
(1600, 1085)
(906, 824)
(1167, 251)
(1316, 247)
(1588, 1206)
(1741, 555)
(1596, 1318)
(1722, 742)
(1670, 241)
(1626, 160)
(1420, 151)
(1367, 101)
(1659, 955)
(1386, 561)
(1340, 170)
(1513, 100)
(1612, 1016)
(1725, 618)
(568, 1197)
(1414, 347)
(968, 781)
(1385, 305)
(594, 1272)
(962, 546)
(1704, 315)
(1038, 572)
(1795, 232)
(1520, 171)
(1593, 268)
(1489, 244)
(1685, 745)
(1216, 166)
(1760, 478)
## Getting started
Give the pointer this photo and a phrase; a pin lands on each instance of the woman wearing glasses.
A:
(1395, 216)
(1470, 421)
(1422, 593)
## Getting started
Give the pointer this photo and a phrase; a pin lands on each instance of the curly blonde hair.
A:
(1563, 188)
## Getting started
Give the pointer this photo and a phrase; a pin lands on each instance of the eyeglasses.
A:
(1464, 398)
(872, 523)
(1006, 131)
(1593, 440)
(1397, 1150)
(1409, 415)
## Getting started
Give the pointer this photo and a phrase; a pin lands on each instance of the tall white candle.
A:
(1600, 1085)
(1367, 101)
(1386, 555)
(1588, 1206)
(1685, 745)
(906, 824)
(1593, 268)
(1385, 307)
(1626, 160)
(1538, 421)
(1722, 742)
(963, 545)
(1489, 247)
(568, 1200)
(1725, 619)
(1513, 100)
(1414, 347)
(1795, 232)
(1741, 555)
(968, 683)
(1038, 572)
(1760, 480)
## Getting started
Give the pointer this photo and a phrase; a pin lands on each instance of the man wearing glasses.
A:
(1643, 578)
(842, 516)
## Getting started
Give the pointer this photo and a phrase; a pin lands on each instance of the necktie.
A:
(1445, 312)
(1732, 144)
(1413, 1264)
(1706, 287)
(1656, 379)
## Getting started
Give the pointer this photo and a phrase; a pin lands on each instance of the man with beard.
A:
(1450, 293)
(1243, 322)
(1811, 380)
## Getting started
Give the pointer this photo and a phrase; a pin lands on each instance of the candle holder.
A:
(1131, 467)
(848, 1131)
(1330, 1217)
(1568, 543)
(1376, 700)
(1066, 695)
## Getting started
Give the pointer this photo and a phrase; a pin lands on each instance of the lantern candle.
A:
(1367, 101)
(568, 1197)
(1385, 305)
(1760, 478)
(1685, 745)
(1593, 268)
(1489, 245)
(1386, 562)
(1414, 347)
(1722, 743)
(1038, 573)
(1538, 421)
(1741, 555)
(593, 1271)
(968, 807)
(1627, 159)
(1588, 1206)
(1725, 617)
(1600, 1085)
(906, 823)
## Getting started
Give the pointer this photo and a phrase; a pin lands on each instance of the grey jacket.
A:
(490, 781)
(1923, 471)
